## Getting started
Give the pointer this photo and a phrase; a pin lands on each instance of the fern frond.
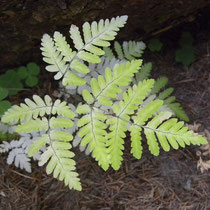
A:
(63, 60)
(177, 135)
(57, 154)
(18, 149)
(61, 164)
(33, 109)
(160, 129)
(93, 134)
(128, 51)
(132, 99)
(63, 47)
(20, 159)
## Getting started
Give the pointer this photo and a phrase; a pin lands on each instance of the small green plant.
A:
(113, 104)
(155, 45)
(4, 104)
(29, 74)
(11, 82)
(8, 136)
(185, 54)
(14, 80)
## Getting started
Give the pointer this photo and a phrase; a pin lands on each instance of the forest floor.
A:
(167, 182)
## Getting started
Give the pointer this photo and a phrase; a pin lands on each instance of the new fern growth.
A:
(113, 105)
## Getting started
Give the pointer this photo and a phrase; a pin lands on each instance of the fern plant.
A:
(112, 106)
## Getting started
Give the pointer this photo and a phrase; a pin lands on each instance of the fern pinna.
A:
(113, 105)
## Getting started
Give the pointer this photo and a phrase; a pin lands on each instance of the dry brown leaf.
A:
(203, 165)
(206, 148)
(205, 151)
(195, 127)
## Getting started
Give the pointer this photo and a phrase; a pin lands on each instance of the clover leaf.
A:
(29, 74)
(22, 72)
(155, 45)
(11, 81)
(33, 68)
(4, 106)
(185, 55)
(3, 93)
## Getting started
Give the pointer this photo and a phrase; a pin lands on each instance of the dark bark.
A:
(23, 22)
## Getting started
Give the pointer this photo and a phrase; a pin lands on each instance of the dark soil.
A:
(168, 182)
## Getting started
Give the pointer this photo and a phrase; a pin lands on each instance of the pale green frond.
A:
(171, 132)
(93, 134)
(62, 59)
(36, 108)
(108, 87)
(48, 153)
(33, 126)
(144, 73)
(53, 57)
(57, 156)
(29, 110)
(63, 46)
(76, 37)
(95, 34)
(61, 164)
